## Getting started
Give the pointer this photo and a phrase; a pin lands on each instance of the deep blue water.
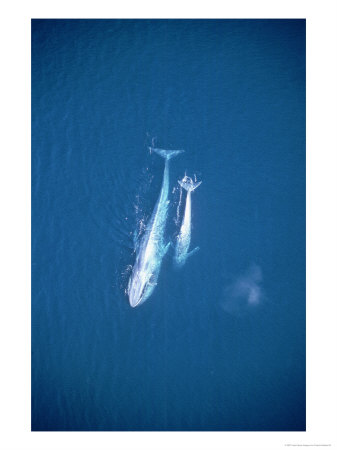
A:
(220, 345)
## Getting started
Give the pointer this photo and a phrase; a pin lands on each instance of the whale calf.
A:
(151, 248)
(184, 236)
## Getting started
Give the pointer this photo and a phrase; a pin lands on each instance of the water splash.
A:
(177, 218)
(245, 292)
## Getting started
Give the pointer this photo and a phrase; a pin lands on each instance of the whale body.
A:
(184, 236)
(151, 248)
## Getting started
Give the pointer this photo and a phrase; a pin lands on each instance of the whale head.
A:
(137, 288)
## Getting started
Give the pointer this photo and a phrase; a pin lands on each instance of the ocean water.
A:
(220, 344)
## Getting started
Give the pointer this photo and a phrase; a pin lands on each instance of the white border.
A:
(321, 223)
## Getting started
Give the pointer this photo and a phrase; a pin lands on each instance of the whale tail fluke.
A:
(188, 184)
(167, 154)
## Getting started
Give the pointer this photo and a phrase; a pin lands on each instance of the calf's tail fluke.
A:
(188, 184)
(167, 154)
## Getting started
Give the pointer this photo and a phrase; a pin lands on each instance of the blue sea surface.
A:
(220, 344)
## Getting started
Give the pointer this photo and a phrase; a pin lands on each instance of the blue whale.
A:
(151, 248)
(184, 236)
